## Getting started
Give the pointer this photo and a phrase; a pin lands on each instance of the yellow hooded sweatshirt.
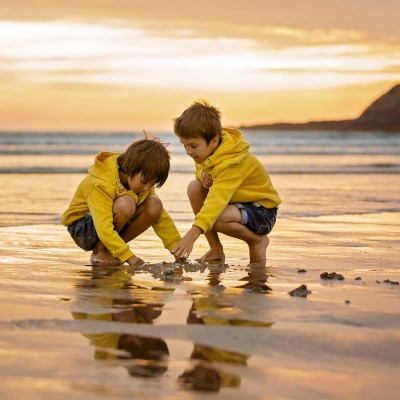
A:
(238, 177)
(96, 194)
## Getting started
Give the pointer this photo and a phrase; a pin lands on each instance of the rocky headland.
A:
(382, 115)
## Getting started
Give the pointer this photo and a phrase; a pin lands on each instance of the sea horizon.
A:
(330, 173)
(376, 151)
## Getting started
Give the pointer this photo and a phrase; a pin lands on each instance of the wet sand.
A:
(227, 330)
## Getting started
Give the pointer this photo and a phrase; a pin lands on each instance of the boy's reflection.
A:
(115, 298)
(257, 277)
(206, 375)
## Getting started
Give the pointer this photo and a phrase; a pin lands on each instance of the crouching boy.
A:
(116, 202)
(232, 193)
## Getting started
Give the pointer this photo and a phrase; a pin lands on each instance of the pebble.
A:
(391, 282)
(332, 275)
(301, 291)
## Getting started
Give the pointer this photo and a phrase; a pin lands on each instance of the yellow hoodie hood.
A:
(105, 168)
(232, 150)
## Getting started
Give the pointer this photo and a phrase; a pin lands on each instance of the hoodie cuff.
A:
(171, 246)
(125, 255)
(202, 225)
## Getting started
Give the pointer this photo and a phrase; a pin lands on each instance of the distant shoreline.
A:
(323, 126)
(382, 115)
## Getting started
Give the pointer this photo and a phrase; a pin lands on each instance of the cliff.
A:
(382, 115)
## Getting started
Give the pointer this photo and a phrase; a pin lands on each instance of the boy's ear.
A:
(215, 140)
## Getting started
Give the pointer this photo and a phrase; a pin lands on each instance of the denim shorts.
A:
(84, 233)
(257, 218)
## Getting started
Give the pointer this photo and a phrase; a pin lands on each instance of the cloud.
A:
(84, 63)
(118, 55)
(306, 14)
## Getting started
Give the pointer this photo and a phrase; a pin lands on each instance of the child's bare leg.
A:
(145, 216)
(229, 224)
(123, 209)
(197, 194)
(215, 253)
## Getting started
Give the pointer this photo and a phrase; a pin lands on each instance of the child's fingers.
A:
(188, 253)
(206, 180)
(182, 253)
(178, 252)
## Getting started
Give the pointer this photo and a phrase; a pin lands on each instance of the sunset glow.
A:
(72, 72)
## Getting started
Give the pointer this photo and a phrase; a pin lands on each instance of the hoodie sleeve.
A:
(224, 186)
(100, 205)
(165, 229)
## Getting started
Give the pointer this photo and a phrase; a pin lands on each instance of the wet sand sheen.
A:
(71, 331)
(214, 324)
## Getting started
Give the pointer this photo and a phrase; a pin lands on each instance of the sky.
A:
(128, 65)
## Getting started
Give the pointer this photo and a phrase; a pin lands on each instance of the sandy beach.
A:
(314, 88)
(193, 330)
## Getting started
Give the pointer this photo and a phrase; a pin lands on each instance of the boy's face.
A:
(198, 149)
(137, 183)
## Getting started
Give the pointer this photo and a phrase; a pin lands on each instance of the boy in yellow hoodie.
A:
(116, 202)
(232, 192)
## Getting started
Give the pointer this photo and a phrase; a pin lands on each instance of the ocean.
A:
(282, 151)
(316, 173)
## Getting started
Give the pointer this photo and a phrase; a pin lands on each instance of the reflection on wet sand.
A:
(116, 295)
(208, 373)
(141, 356)
(256, 279)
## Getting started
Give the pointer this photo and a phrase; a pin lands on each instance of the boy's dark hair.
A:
(153, 350)
(200, 119)
(148, 156)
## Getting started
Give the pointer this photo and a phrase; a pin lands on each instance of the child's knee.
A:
(124, 207)
(195, 189)
(153, 207)
(229, 215)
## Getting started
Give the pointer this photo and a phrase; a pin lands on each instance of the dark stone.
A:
(332, 275)
(301, 291)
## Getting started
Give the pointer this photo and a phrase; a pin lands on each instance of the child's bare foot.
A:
(214, 254)
(103, 257)
(258, 250)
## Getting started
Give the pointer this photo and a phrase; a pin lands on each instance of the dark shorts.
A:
(84, 233)
(257, 218)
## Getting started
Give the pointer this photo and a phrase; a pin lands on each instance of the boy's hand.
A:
(135, 261)
(179, 259)
(185, 246)
(206, 180)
